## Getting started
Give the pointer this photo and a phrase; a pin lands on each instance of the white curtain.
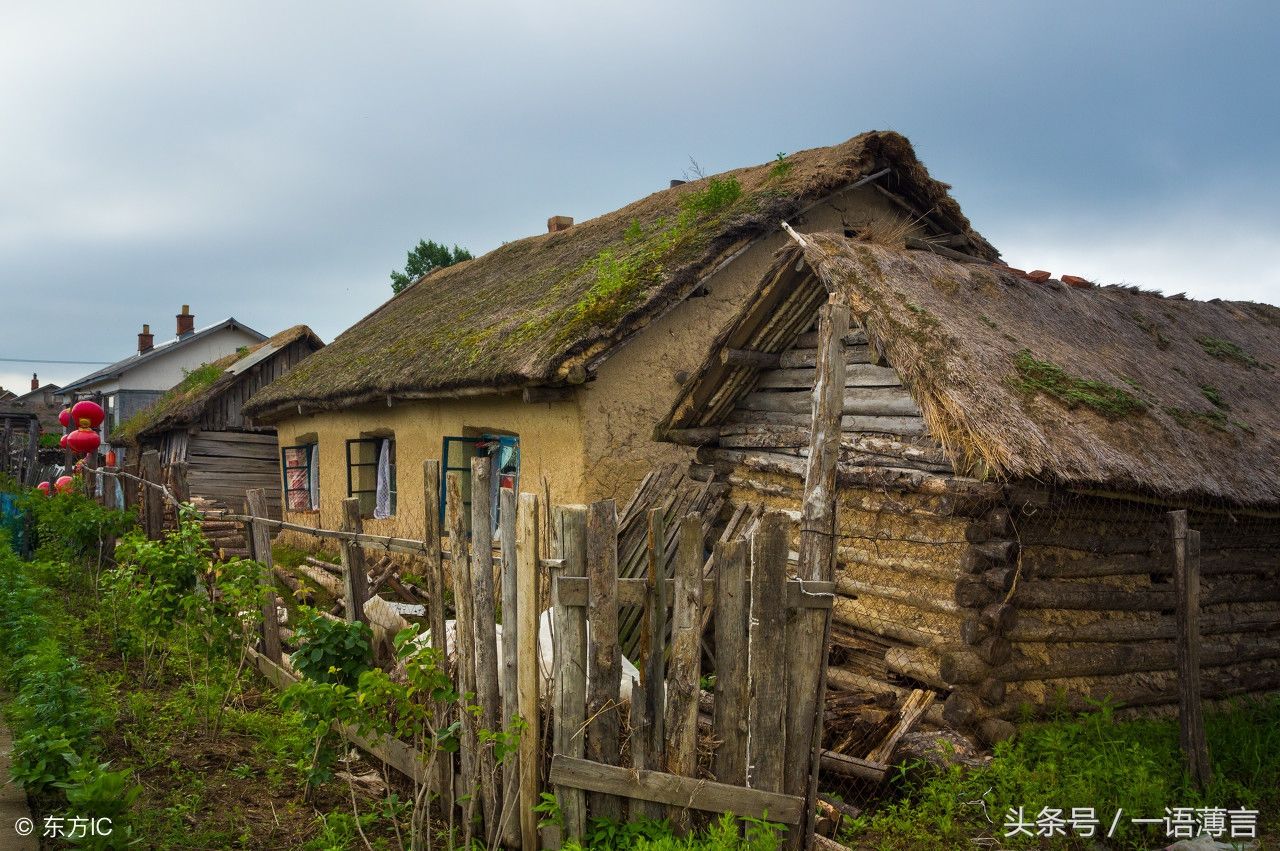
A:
(382, 506)
(313, 475)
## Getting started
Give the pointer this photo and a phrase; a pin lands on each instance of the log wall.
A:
(1000, 596)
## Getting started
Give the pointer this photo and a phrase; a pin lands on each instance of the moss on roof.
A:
(183, 402)
(532, 310)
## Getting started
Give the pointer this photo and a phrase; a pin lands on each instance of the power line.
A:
(34, 360)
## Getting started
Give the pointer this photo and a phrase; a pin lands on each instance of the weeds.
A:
(1036, 376)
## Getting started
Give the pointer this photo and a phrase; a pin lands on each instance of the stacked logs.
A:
(225, 536)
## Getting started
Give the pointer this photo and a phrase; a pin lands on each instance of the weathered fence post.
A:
(5, 455)
(443, 780)
(570, 627)
(260, 548)
(528, 549)
(808, 633)
(683, 672)
(152, 499)
(731, 706)
(1186, 591)
(768, 652)
(32, 471)
(354, 579)
(655, 667)
(463, 642)
(510, 664)
(485, 636)
(178, 476)
(603, 701)
(91, 476)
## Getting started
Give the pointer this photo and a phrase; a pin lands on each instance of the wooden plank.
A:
(656, 653)
(633, 592)
(863, 401)
(674, 790)
(641, 739)
(603, 681)
(463, 632)
(153, 502)
(899, 425)
(1186, 582)
(748, 358)
(511, 627)
(684, 668)
(732, 704)
(485, 637)
(768, 653)
(808, 632)
(570, 675)
(856, 375)
(436, 615)
(355, 580)
(528, 545)
(260, 538)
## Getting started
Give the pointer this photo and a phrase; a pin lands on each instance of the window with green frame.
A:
(364, 457)
(457, 455)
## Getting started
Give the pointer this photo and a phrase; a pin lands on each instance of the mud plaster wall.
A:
(550, 443)
(635, 387)
(595, 446)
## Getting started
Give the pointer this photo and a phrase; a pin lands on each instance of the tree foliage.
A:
(425, 257)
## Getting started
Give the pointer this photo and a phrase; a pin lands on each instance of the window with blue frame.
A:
(504, 452)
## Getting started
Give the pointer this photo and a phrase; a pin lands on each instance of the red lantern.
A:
(87, 414)
(83, 441)
(64, 484)
(44, 488)
(65, 418)
(63, 441)
(111, 458)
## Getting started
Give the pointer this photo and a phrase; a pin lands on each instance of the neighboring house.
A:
(202, 434)
(43, 400)
(130, 385)
(1010, 444)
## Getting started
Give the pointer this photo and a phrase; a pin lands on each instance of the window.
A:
(504, 449)
(301, 467)
(371, 475)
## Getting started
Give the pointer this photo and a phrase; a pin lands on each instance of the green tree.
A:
(426, 256)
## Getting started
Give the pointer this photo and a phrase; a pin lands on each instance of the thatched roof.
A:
(184, 403)
(1093, 385)
(536, 311)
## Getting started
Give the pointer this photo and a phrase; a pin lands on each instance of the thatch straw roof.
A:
(1096, 385)
(536, 310)
(183, 404)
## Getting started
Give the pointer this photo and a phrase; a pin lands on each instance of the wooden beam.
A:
(800, 594)
(691, 436)
(603, 701)
(683, 674)
(768, 652)
(686, 792)
(656, 622)
(260, 539)
(528, 546)
(809, 631)
(570, 658)
(436, 615)
(463, 602)
(547, 394)
(355, 580)
(746, 358)
(509, 673)
(1186, 584)
(485, 635)
(732, 602)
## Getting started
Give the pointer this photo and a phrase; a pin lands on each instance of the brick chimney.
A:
(35, 382)
(145, 340)
(186, 321)
(559, 223)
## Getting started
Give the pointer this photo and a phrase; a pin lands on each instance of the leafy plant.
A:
(331, 651)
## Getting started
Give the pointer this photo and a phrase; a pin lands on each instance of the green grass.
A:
(1228, 351)
(1045, 377)
(1091, 760)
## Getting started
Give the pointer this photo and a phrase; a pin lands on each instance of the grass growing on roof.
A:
(1228, 351)
(194, 382)
(622, 275)
(1045, 377)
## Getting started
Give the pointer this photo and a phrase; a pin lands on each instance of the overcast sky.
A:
(274, 160)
